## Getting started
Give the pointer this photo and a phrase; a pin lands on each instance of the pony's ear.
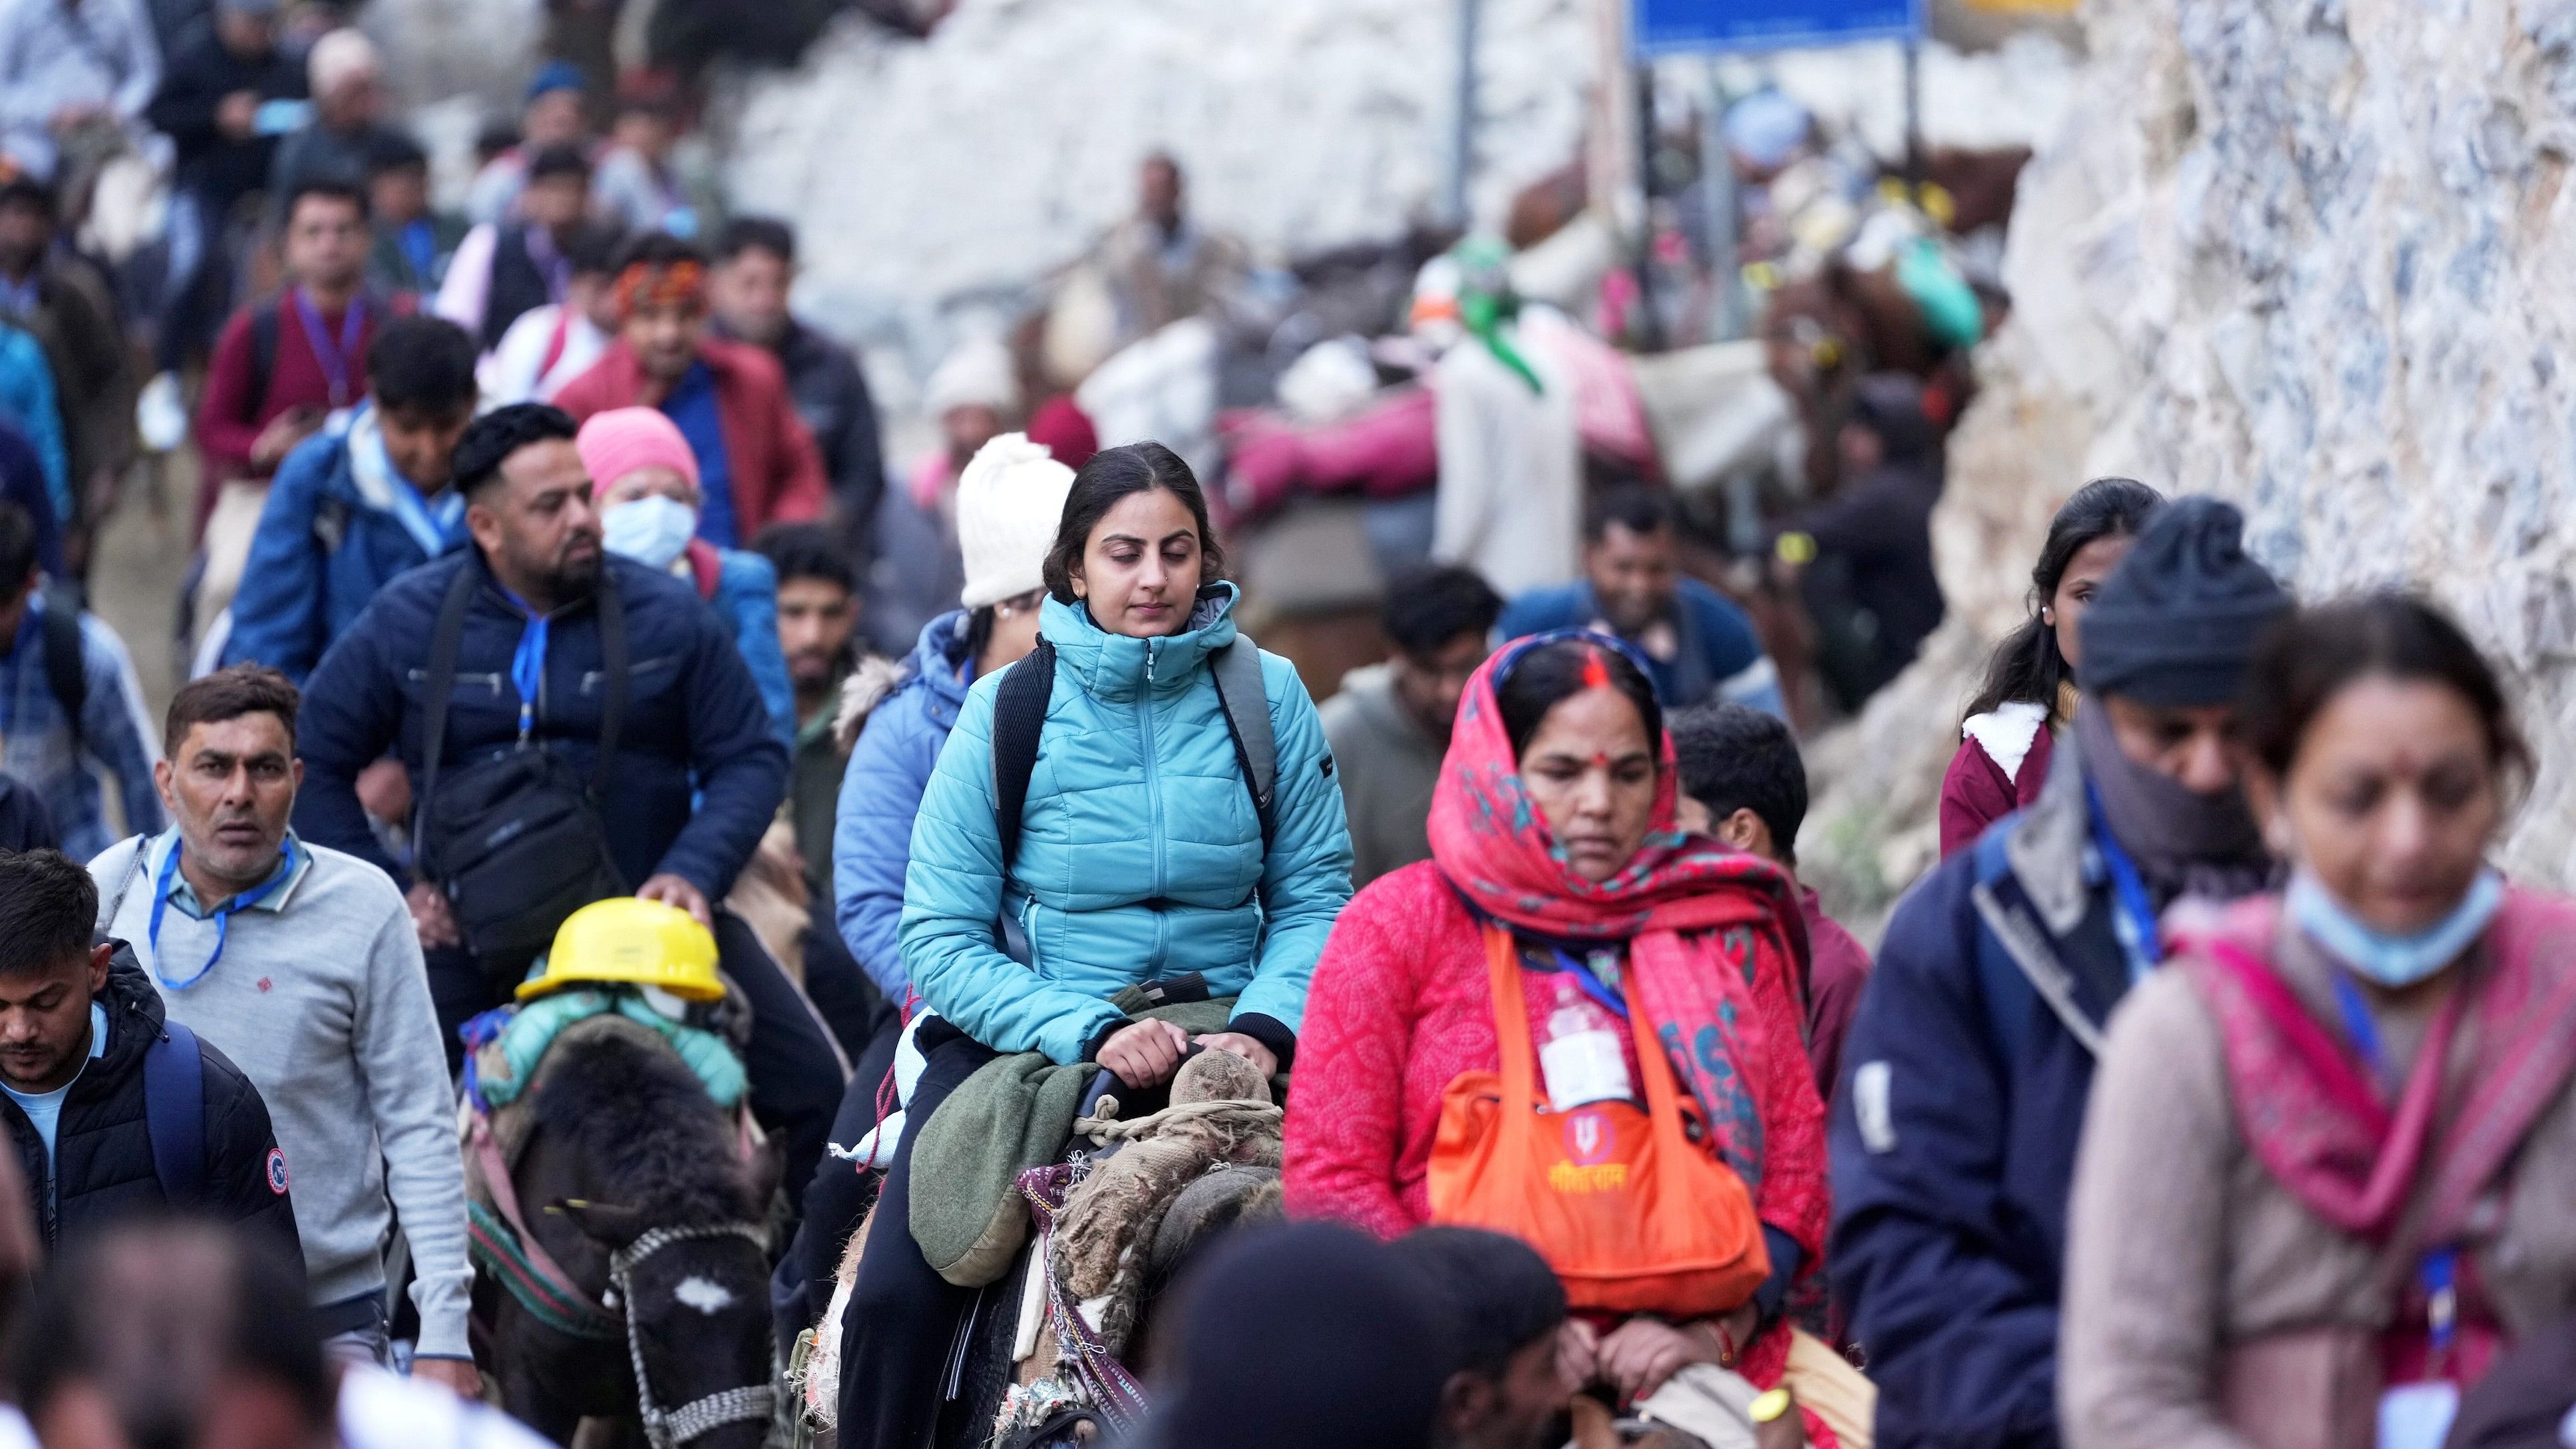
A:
(609, 1224)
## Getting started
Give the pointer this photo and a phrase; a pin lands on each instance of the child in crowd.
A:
(1743, 782)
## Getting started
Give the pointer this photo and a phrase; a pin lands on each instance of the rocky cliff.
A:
(2314, 256)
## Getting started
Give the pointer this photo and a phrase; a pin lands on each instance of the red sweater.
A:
(1837, 968)
(1400, 1007)
(1976, 792)
(777, 470)
(233, 410)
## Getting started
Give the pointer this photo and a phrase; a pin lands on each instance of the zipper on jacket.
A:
(1153, 803)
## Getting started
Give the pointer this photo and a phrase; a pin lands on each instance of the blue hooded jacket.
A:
(881, 794)
(1140, 854)
(330, 538)
(1954, 1129)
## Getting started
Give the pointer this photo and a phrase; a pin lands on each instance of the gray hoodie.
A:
(1388, 765)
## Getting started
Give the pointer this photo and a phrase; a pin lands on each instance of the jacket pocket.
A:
(643, 676)
(469, 688)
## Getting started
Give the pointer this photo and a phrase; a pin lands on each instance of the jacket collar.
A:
(941, 661)
(1116, 667)
(2046, 850)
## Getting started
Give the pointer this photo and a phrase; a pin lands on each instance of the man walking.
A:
(69, 702)
(361, 504)
(65, 306)
(698, 770)
(301, 964)
(109, 1110)
(1973, 1049)
(1698, 645)
(756, 462)
(1389, 725)
(755, 268)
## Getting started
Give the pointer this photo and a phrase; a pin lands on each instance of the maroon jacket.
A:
(777, 470)
(1837, 968)
(1978, 791)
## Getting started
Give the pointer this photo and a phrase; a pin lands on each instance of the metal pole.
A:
(1462, 139)
(1650, 325)
(1725, 213)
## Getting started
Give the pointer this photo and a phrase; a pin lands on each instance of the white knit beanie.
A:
(1009, 501)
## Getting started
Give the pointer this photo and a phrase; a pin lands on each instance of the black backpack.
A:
(515, 841)
(66, 672)
(1019, 715)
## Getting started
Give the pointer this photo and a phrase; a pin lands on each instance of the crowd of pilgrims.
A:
(2214, 1090)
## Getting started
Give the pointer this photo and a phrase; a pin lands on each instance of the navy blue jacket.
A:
(1955, 1126)
(695, 724)
(1719, 656)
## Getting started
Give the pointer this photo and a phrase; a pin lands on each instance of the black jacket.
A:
(194, 82)
(699, 769)
(103, 1141)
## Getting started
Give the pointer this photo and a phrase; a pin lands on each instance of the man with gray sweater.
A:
(322, 1001)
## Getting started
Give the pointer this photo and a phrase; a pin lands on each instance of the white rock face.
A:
(2314, 256)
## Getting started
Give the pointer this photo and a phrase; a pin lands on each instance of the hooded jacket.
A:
(881, 790)
(103, 1140)
(1141, 854)
(776, 475)
(329, 540)
(1955, 1128)
(699, 772)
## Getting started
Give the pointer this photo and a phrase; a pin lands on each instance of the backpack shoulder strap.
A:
(1237, 668)
(1019, 716)
(2017, 965)
(66, 667)
(174, 1109)
(264, 326)
(437, 687)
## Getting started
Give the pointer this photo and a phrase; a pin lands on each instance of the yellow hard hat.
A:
(637, 942)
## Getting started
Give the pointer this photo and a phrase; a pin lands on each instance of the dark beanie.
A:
(2177, 620)
(1302, 1334)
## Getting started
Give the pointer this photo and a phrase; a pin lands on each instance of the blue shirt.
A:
(45, 1109)
(692, 406)
(36, 738)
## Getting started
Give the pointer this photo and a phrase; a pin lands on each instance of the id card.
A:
(2417, 1416)
(1584, 1067)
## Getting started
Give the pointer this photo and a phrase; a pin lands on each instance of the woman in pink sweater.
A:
(1553, 820)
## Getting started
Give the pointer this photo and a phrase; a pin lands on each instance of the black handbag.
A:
(515, 842)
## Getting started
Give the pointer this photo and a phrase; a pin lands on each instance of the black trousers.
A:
(795, 1075)
(834, 1200)
(902, 1315)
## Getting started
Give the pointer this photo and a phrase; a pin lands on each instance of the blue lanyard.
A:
(1592, 985)
(432, 530)
(223, 913)
(334, 358)
(2440, 1270)
(2133, 915)
(528, 663)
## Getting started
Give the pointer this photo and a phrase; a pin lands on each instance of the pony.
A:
(653, 1210)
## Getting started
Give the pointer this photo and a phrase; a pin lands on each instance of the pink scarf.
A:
(2312, 1113)
(1697, 916)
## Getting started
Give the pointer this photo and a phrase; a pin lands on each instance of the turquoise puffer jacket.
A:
(1140, 852)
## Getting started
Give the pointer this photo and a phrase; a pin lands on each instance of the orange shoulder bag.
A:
(1632, 1216)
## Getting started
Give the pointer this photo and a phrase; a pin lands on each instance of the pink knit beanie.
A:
(615, 443)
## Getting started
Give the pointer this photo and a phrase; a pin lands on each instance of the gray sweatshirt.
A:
(321, 998)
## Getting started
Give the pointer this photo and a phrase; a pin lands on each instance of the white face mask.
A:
(651, 530)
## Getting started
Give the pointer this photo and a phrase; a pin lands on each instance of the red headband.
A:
(675, 284)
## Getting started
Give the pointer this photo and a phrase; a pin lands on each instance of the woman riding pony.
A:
(1141, 856)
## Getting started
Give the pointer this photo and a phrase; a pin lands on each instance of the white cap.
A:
(1010, 500)
(979, 373)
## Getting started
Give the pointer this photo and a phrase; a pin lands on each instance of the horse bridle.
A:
(666, 1428)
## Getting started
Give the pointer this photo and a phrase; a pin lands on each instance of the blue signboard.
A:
(1686, 27)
